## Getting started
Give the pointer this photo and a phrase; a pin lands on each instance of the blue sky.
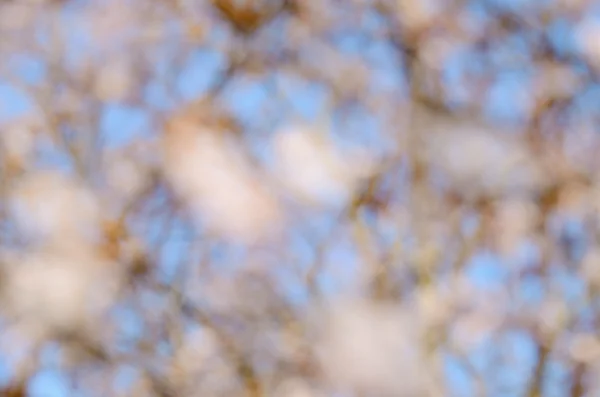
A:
(121, 124)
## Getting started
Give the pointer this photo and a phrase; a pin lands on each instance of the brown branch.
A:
(537, 379)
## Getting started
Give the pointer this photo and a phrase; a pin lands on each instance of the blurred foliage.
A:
(299, 198)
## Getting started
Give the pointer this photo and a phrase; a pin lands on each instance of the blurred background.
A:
(299, 198)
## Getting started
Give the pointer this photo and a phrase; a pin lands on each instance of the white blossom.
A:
(198, 352)
(478, 161)
(418, 14)
(434, 305)
(474, 328)
(126, 176)
(296, 388)
(590, 267)
(222, 188)
(552, 315)
(115, 80)
(60, 289)
(17, 140)
(515, 221)
(111, 23)
(585, 348)
(17, 16)
(587, 35)
(51, 205)
(312, 169)
(374, 348)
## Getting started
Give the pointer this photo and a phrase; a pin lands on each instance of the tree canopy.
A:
(299, 198)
